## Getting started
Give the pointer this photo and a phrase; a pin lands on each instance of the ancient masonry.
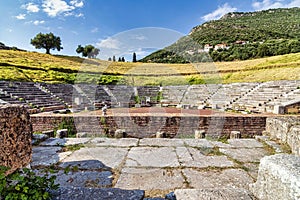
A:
(15, 137)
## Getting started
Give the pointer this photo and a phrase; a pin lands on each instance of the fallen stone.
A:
(39, 137)
(235, 135)
(200, 134)
(245, 154)
(150, 179)
(120, 133)
(54, 142)
(152, 157)
(78, 193)
(227, 178)
(214, 194)
(49, 133)
(278, 178)
(160, 135)
(84, 165)
(81, 135)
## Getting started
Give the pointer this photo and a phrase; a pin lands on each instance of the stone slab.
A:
(220, 144)
(214, 194)
(245, 143)
(152, 157)
(278, 178)
(107, 156)
(46, 156)
(227, 178)
(191, 157)
(64, 141)
(78, 193)
(161, 142)
(198, 143)
(83, 165)
(122, 142)
(150, 179)
(245, 154)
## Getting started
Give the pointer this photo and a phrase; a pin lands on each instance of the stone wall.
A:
(286, 130)
(15, 137)
(147, 126)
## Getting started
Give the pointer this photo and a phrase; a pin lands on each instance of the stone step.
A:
(214, 194)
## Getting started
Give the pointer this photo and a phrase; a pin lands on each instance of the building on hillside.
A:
(207, 47)
(221, 46)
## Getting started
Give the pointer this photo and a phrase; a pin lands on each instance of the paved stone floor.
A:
(103, 168)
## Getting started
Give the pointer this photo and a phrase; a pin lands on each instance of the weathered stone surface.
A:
(245, 154)
(214, 194)
(286, 130)
(62, 133)
(90, 179)
(198, 143)
(191, 157)
(150, 179)
(106, 142)
(278, 178)
(64, 141)
(15, 137)
(46, 156)
(252, 169)
(161, 142)
(235, 135)
(245, 143)
(200, 134)
(220, 144)
(84, 165)
(77, 193)
(228, 178)
(108, 156)
(120, 133)
(152, 157)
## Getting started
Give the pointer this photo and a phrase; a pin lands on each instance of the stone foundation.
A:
(278, 178)
(148, 126)
(286, 130)
(15, 137)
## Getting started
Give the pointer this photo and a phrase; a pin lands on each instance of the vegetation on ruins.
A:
(67, 123)
(46, 41)
(245, 36)
(24, 184)
(88, 51)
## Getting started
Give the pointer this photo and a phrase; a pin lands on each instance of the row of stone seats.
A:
(31, 94)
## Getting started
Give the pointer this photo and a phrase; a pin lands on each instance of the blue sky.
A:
(103, 23)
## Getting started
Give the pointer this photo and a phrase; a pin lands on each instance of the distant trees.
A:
(46, 41)
(88, 51)
(134, 57)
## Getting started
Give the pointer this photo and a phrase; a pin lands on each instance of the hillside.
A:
(243, 35)
(38, 67)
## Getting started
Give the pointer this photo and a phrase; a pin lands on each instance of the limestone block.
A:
(200, 134)
(120, 133)
(62, 133)
(15, 137)
(235, 135)
(278, 178)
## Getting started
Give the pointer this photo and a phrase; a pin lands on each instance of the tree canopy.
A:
(88, 51)
(46, 41)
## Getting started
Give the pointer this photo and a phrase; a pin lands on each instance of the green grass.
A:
(37, 67)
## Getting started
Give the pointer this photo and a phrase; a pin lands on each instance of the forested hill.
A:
(242, 35)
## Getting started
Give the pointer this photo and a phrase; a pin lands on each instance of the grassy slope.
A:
(29, 66)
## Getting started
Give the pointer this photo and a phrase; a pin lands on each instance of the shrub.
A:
(24, 184)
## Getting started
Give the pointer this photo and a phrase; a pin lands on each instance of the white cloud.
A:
(222, 10)
(79, 15)
(76, 3)
(109, 43)
(56, 7)
(30, 7)
(95, 30)
(21, 16)
(268, 4)
(37, 22)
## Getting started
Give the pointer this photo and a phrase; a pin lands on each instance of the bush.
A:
(24, 184)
